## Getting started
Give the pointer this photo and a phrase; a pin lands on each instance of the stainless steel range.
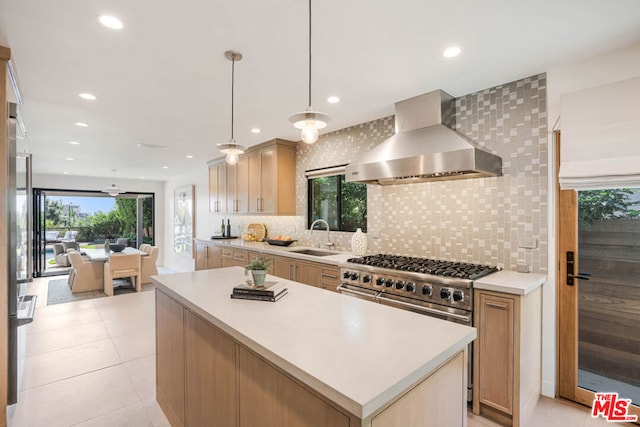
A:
(442, 289)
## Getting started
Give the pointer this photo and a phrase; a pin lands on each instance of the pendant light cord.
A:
(309, 53)
(233, 69)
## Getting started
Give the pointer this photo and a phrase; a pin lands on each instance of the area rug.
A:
(59, 292)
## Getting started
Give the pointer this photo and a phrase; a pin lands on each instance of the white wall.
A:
(615, 66)
(203, 224)
(69, 182)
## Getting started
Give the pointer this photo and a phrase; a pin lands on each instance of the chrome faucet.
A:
(329, 243)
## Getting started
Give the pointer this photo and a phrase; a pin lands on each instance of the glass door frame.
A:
(567, 297)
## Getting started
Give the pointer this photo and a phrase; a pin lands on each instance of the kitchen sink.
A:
(314, 252)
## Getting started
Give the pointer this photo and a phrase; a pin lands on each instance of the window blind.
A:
(601, 137)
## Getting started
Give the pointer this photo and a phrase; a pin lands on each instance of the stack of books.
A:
(271, 291)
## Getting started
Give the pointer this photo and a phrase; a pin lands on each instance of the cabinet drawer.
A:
(238, 255)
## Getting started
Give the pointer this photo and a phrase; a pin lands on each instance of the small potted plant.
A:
(258, 268)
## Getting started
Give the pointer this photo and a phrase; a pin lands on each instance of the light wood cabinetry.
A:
(170, 381)
(231, 257)
(218, 187)
(253, 255)
(206, 377)
(270, 398)
(507, 355)
(238, 186)
(262, 182)
(330, 277)
(210, 368)
(299, 271)
(208, 255)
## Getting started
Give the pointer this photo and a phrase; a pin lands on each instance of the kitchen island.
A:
(313, 358)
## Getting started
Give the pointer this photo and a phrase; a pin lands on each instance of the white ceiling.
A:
(163, 79)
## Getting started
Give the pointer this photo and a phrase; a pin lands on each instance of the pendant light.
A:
(113, 191)
(231, 149)
(309, 121)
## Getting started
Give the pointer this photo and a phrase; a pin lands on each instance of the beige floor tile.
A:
(155, 414)
(136, 345)
(46, 319)
(129, 324)
(126, 305)
(45, 341)
(142, 374)
(57, 365)
(130, 416)
(77, 399)
(478, 421)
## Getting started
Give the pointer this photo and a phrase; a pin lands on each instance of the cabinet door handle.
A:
(497, 305)
(261, 204)
(258, 204)
(206, 252)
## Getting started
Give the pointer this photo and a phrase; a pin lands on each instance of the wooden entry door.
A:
(598, 336)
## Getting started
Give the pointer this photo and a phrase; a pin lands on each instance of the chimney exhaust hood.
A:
(424, 148)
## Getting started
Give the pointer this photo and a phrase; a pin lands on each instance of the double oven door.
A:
(451, 314)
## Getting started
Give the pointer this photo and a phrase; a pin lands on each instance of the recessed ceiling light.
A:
(255, 130)
(110, 21)
(165, 167)
(81, 124)
(66, 173)
(69, 158)
(141, 177)
(333, 100)
(74, 143)
(88, 96)
(189, 156)
(451, 52)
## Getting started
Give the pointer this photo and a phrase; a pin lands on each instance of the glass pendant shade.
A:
(309, 122)
(232, 151)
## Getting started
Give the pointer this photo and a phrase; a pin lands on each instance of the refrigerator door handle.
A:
(31, 299)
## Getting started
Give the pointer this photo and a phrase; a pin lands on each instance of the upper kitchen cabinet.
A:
(272, 178)
(263, 181)
(218, 187)
(237, 187)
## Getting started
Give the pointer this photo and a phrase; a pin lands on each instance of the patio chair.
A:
(87, 275)
(69, 236)
(60, 255)
(149, 263)
(121, 266)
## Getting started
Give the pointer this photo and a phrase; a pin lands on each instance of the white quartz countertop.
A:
(359, 354)
(338, 258)
(511, 282)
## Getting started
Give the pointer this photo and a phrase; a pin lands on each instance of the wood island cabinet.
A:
(170, 382)
(506, 355)
(208, 255)
(262, 182)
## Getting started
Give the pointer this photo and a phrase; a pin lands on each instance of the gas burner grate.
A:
(426, 266)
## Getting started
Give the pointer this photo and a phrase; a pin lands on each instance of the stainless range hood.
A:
(424, 148)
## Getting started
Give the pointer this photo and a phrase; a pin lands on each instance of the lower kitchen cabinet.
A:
(299, 271)
(231, 257)
(170, 382)
(210, 370)
(268, 397)
(507, 355)
(206, 378)
(330, 277)
(207, 255)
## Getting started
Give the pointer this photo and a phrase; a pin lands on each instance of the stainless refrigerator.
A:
(19, 251)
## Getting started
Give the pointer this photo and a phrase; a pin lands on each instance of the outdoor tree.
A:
(599, 205)
(53, 212)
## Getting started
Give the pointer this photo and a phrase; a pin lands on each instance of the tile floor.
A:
(92, 363)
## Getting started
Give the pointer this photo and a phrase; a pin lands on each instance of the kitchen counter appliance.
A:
(442, 289)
